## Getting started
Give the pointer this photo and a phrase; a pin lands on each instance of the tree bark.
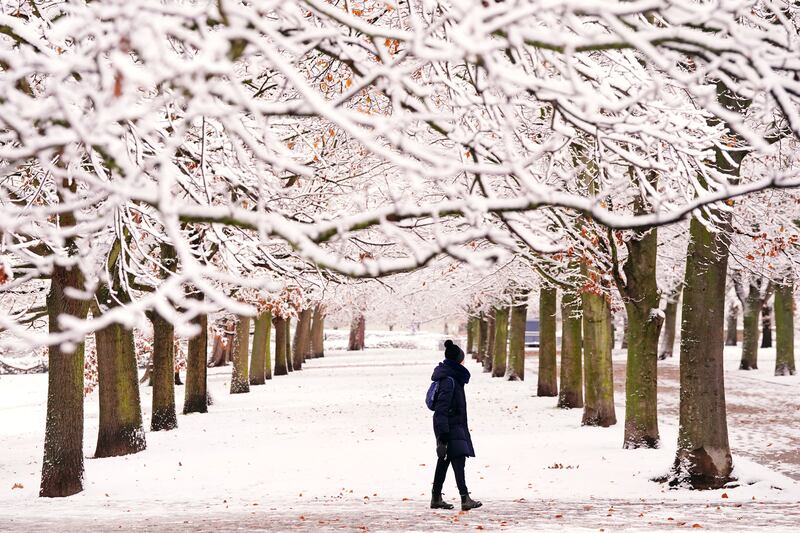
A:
(120, 430)
(784, 329)
(488, 360)
(516, 344)
(732, 326)
(470, 336)
(703, 459)
(163, 416)
(280, 346)
(258, 359)
(62, 466)
(571, 394)
(624, 341)
(240, 381)
(357, 327)
(639, 290)
(287, 337)
(548, 368)
(301, 336)
(318, 332)
(481, 337)
(500, 342)
(196, 392)
(598, 405)
(766, 325)
(670, 325)
(750, 320)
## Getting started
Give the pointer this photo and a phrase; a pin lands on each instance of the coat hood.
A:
(452, 369)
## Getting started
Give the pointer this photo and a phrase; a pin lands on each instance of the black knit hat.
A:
(453, 352)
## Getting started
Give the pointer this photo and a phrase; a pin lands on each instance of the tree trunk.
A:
(318, 332)
(120, 429)
(470, 336)
(752, 311)
(488, 360)
(516, 344)
(357, 326)
(196, 392)
(267, 346)
(287, 337)
(516, 338)
(732, 326)
(301, 335)
(784, 328)
(766, 326)
(571, 394)
(640, 294)
(670, 322)
(362, 331)
(219, 353)
(500, 342)
(280, 346)
(481, 337)
(548, 368)
(624, 341)
(703, 459)
(258, 359)
(598, 406)
(62, 466)
(240, 381)
(163, 416)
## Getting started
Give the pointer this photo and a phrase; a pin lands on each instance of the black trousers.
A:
(458, 470)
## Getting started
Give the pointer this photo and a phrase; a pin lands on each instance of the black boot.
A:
(438, 503)
(468, 503)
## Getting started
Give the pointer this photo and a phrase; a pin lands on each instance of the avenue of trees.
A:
(276, 162)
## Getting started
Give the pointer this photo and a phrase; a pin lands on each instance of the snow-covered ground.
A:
(346, 445)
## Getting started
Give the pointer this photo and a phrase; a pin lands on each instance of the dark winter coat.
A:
(450, 409)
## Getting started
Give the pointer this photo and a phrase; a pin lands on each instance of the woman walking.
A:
(453, 441)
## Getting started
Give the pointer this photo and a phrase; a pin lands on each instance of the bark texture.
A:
(471, 336)
(571, 394)
(667, 347)
(598, 402)
(548, 368)
(62, 466)
(240, 381)
(753, 294)
(357, 331)
(280, 346)
(258, 359)
(301, 338)
(318, 332)
(500, 342)
(163, 416)
(703, 459)
(488, 360)
(732, 325)
(784, 329)
(287, 338)
(516, 343)
(120, 430)
(639, 290)
(766, 326)
(196, 392)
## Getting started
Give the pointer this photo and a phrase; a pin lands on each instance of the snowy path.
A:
(346, 444)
